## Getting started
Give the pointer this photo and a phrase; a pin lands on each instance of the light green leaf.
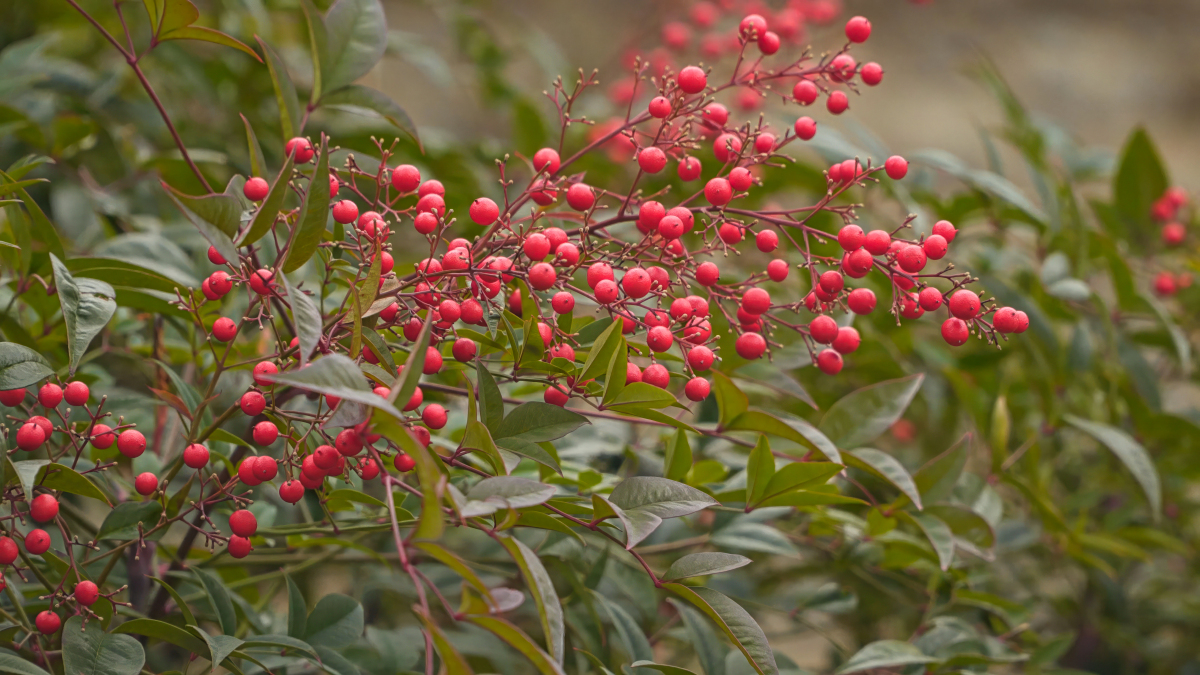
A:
(258, 163)
(731, 401)
(642, 395)
(678, 460)
(165, 632)
(515, 637)
(491, 402)
(760, 468)
(66, 479)
(511, 492)
(708, 647)
(306, 319)
(550, 610)
(938, 533)
(1140, 180)
(208, 35)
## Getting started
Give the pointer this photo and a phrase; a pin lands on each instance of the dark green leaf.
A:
(66, 479)
(550, 610)
(731, 401)
(735, 622)
(357, 98)
(702, 564)
(491, 402)
(1140, 179)
(122, 522)
(886, 467)
(94, 652)
(297, 625)
(218, 597)
(20, 366)
(356, 33)
(268, 211)
(335, 622)
(660, 496)
(889, 654)
(285, 92)
(536, 422)
(1130, 452)
(87, 305)
(314, 213)
(861, 416)
(306, 319)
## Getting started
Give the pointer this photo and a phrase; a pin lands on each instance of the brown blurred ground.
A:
(1095, 67)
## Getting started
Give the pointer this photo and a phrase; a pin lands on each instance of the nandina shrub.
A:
(523, 424)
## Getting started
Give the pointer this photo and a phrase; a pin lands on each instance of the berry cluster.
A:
(1167, 209)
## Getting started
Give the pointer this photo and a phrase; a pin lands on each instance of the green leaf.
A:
(453, 663)
(1131, 453)
(601, 353)
(268, 211)
(66, 479)
(702, 564)
(491, 402)
(280, 642)
(94, 652)
(731, 401)
(122, 522)
(208, 35)
(543, 662)
(660, 496)
(355, 496)
(334, 374)
(359, 99)
(760, 468)
(258, 163)
(285, 93)
(218, 597)
(189, 619)
(477, 437)
(314, 213)
(890, 654)
(662, 668)
(938, 533)
(297, 618)
(306, 319)
(886, 467)
(797, 475)
(964, 523)
(166, 632)
(363, 296)
(221, 211)
(642, 395)
(629, 632)
(443, 555)
(536, 422)
(356, 33)
(935, 481)
(414, 365)
(1140, 180)
(220, 646)
(124, 273)
(638, 523)
(735, 622)
(335, 622)
(215, 236)
(20, 366)
(11, 663)
(706, 644)
(511, 492)
(334, 663)
(861, 416)
(87, 305)
(550, 610)
(678, 460)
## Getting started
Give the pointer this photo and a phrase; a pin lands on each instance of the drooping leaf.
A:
(861, 416)
(359, 99)
(268, 210)
(87, 305)
(94, 652)
(306, 319)
(214, 234)
(550, 610)
(937, 533)
(543, 662)
(218, 597)
(285, 92)
(336, 621)
(1131, 453)
(297, 618)
(735, 622)
(885, 467)
(706, 644)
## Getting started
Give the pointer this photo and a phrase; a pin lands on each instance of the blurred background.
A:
(1095, 67)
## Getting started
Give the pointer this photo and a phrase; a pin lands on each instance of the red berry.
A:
(50, 395)
(823, 329)
(215, 257)
(555, 396)
(262, 371)
(910, 306)
(707, 274)
(431, 187)
(8, 550)
(425, 222)
(471, 311)
(660, 339)
(700, 357)
(858, 29)
(145, 484)
(102, 436)
(598, 272)
(291, 491)
(689, 169)
(1173, 234)
(220, 283)
(243, 523)
(12, 397)
(768, 43)
(965, 304)
(659, 107)
(837, 103)
(1005, 320)
(542, 276)
(696, 389)
(752, 26)
(30, 437)
(580, 197)
(912, 259)
(484, 211)
(766, 240)
(299, 148)
(847, 340)
(1022, 322)
(955, 331)
(805, 92)
(239, 547)
(636, 282)
(730, 233)
(265, 468)
(434, 416)
(464, 349)
(404, 463)
(764, 142)
(76, 393)
(348, 443)
(433, 204)
(406, 178)
(43, 508)
(414, 401)
(86, 593)
(606, 292)
(851, 237)
(777, 270)
(345, 211)
(945, 229)
(877, 242)
(727, 146)
(935, 247)
(692, 80)
(750, 345)
(656, 375)
(47, 622)
(256, 189)
(546, 160)
(265, 433)
(861, 301)
(756, 301)
(872, 74)
(831, 282)
(829, 361)
(896, 167)
(37, 542)
(718, 191)
(930, 298)
(433, 361)
(131, 443)
(842, 68)
(224, 329)
(652, 159)
(261, 281)
(246, 471)
(195, 456)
